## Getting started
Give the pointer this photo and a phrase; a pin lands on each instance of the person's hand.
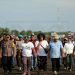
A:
(0, 55)
(74, 53)
(63, 55)
(14, 55)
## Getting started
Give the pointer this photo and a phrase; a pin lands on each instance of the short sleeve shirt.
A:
(40, 51)
(27, 49)
(55, 49)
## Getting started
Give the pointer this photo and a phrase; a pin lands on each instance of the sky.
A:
(38, 15)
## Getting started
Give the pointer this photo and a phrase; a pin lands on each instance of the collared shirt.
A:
(55, 49)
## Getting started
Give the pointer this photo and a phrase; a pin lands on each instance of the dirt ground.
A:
(35, 72)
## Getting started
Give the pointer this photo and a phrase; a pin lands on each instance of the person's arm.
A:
(49, 51)
(74, 51)
(14, 51)
(0, 53)
(37, 45)
(62, 52)
(33, 51)
(0, 50)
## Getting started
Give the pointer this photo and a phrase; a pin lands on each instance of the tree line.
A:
(23, 32)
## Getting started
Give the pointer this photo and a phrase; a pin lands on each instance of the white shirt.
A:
(27, 49)
(40, 51)
(68, 48)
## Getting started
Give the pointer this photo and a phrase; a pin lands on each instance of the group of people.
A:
(31, 52)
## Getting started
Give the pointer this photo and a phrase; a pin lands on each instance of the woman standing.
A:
(41, 54)
(69, 47)
(19, 50)
(27, 48)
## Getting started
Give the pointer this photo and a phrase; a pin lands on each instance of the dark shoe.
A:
(32, 69)
(5, 72)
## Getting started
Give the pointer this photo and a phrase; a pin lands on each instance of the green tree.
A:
(4, 31)
(28, 32)
(23, 32)
(16, 32)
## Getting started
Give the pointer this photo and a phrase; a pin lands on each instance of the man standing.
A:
(6, 48)
(56, 49)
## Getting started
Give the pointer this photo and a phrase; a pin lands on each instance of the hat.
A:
(20, 36)
(32, 34)
(55, 35)
(16, 38)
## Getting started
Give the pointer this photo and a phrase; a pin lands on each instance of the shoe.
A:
(24, 73)
(44, 73)
(6, 72)
(28, 74)
(70, 70)
(13, 66)
(32, 69)
(55, 72)
(20, 68)
(9, 73)
(65, 68)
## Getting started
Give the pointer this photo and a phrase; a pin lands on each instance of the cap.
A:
(20, 36)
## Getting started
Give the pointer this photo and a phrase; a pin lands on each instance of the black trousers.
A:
(55, 64)
(42, 63)
(7, 63)
(69, 60)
